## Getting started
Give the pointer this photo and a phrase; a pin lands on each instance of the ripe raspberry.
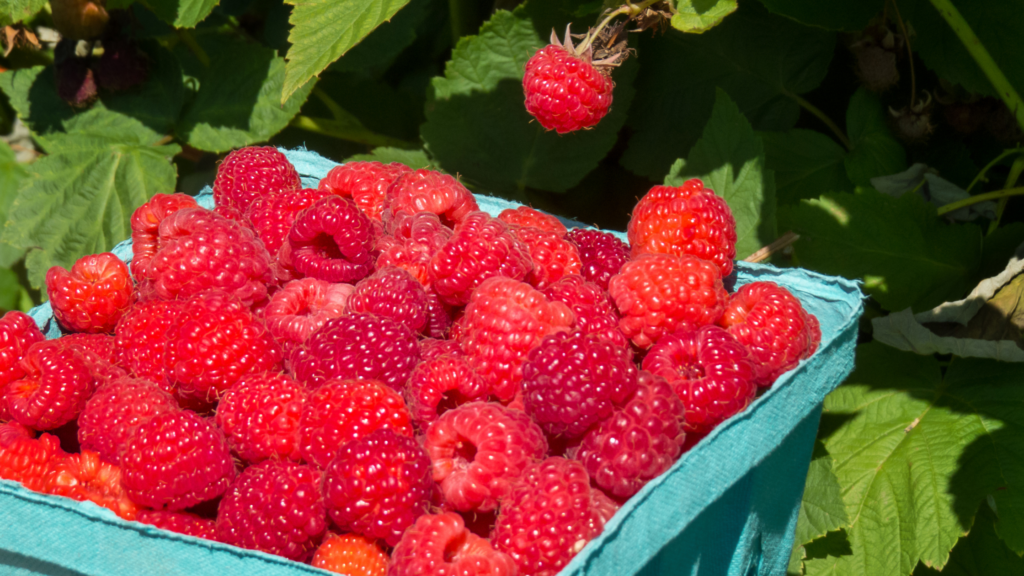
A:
(340, 411)
(709, 370)
(601, 253)
(25, 459)
(275, 507)
(440, 544)
(411, 241)
(637, 442)
(604, 508)
(352, 555)
(378, 485)
(358, 346)
(426, 190)
(392, 293)
(141, 337)
(564, 91)
(85, 476)
(366, 183)
(478, 449)
(689, 219)
(333, 241)
(504, 320)
(481, 247)
(573, 381)
(251, 172)
(439, 317)
(441, 383)
(272, 217)
(104, 346)
(180, 522)
(146, 227)
(547, 517)
(115, 410)
(774, 327)
(215, 342)
(93, 296)
(524, 216)
(18, 331)
(55, 387)
(302, 306)
(260, 416)
(594, 310)
(662, 293)
(176, 460)
(76, 83)
(553, 257)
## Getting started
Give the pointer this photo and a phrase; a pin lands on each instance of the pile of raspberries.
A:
(377, 377)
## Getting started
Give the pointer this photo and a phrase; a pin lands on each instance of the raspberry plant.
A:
(885, 133)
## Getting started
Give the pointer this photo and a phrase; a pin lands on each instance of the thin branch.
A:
(824, 118)
(1006, 193)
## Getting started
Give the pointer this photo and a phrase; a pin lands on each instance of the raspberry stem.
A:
(348, 128)
(1011, 180)
(627, 8)
(998, 194)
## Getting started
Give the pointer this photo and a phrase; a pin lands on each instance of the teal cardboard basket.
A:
(728, 507)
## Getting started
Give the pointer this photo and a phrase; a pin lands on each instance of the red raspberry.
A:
(25, 459)
(260, 416)
(661, 293)
(146, 227)
(604, 508)
(251, 172)
(524, 216)
(709, 370)
(773, 325)
(302, 306)
(352, 555)
(333, 241)
(180, 522)
(215, 342)
(593, 307)
(441, 545)
(392, 293)
(344, 410)
(478, 449)
(87, 477)
(115, 410)
(176, 460)
(364, 182)
(504, 320)
(689, 219)
(480, 248)
(426, 190)
(573, 381)
(410, 243)
(141, 337)
(272, 217)
(18, 331)
(432, 348)
(602, 254)
(275, 507)
(565, 91)
(440, 383)
(637, 442)
(201, 251)
(439, 317)
(378, 485)
(553, 257)
(104, 346)
(93, 296)
(55, 387)
(358, 346)
(547, 517)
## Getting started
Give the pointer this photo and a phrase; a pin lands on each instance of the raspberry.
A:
(366, 183)
(447, 379)
(571, 382)
(637, 442)
(478, 449)
(260, 416)
(378, 485)
(565, 91)
(439, 317)
(391, 293)
(432, 348)
(251, 172)
(553, 257)
(410, 243)
(275, 507)
(333, 241)
(93, 296)
(358, 346)
(774, 327)
(302, 306)
(272, 217)
(115, 410)
(104, 346)
(594, 310)
(601, 253)
(689, 219)
(604, 508)
(481, 247)
(504, 320)
(55, 387)
(215, 342)
(141, 337)
(441, 545)
(524, 216)
(18, 331)
(146, 227)
(87, 477)
(351, 554)
(662, 293)
(180, 522)
(426, 190)
(25, 459)
(709, 370)
(76, 83)
(176, 460)
(344, 410)
(122, 66)
(547, 517)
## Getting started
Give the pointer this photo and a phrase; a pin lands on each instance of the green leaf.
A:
(821, 510)
(380, 48)
(182, 13)
(876, 152)
(920, 450)
(14, 11)
(831, 14)
(806, 164)
(324, 30)
(904, 254)
(11, 176)
(759, 59)
(478, 127)
(414, 159)
(980, 553)
(239, 100)
(12, 293)
(699, 16)
(729, 158)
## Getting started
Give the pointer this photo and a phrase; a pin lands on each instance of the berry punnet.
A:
(441, 545)
(352, 555)
(364, 182)
(93, 296)
(260, 416)
(248, 173)
(180, 522)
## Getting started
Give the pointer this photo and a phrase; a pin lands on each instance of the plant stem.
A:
(981, 175)
(1011, 180)
(910, 55)
(982, 57)
(1006, 193)
(627, 8)
(461, 15)
(193, 46)
(336, 110)
(825, 119)
(346, 129)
